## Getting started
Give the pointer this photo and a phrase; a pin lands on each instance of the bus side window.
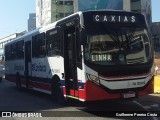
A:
(53, 43)
(7, 52)
(41, 45)
(38, 46)
(14, 51)
(20, 50)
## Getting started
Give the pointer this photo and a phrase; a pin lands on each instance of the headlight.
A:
(93, 78)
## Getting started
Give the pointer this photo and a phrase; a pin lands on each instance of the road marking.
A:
(147, 107)
(144, 107)
(154, 105)
(157, 95)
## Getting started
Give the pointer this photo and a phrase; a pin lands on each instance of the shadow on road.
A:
(125, 110)
(152, 102)
(26, 100)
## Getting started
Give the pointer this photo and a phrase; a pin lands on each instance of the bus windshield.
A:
(112, 46)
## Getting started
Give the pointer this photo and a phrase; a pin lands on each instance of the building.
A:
(49, 11)
(32, 21)
(84, 5)
(156, 37)
(144, 7)
(9, 38)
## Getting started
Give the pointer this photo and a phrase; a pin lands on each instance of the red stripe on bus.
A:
(82, 94)
(95, 92)
(74, 93)
(11, 79)
(78, 93)
(148, 90)
(43, 86)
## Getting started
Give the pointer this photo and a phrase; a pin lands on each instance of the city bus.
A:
(87, 56)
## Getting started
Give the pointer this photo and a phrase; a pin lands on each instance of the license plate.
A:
(129, 95)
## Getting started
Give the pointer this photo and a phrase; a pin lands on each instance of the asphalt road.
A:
(31, 101)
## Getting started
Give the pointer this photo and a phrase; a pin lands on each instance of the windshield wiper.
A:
(119, 40)
(129, 37)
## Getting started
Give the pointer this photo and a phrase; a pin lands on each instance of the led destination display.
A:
(114, 18)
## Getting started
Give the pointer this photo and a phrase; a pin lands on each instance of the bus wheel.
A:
(18, 83)
(56, 92)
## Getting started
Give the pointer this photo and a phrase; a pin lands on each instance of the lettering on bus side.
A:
(38, 68)
(139, 83)
(18, 67)
(114, 18)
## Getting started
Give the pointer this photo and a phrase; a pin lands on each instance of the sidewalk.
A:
(156, 95)
(157, 84)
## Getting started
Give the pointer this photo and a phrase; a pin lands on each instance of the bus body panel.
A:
(14, 67)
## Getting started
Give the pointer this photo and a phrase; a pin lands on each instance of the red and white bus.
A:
(88, 56)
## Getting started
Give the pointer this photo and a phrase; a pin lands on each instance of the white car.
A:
(2, 71)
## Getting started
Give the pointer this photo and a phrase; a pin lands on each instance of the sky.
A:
(14, 15)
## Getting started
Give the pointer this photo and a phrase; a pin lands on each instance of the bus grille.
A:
(138, 60)
(124, 72)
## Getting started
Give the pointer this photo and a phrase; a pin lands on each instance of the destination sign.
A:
(114, 18)
(71, 23)
(104, 57)
(53, 32)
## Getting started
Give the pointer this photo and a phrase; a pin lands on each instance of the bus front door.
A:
(70, 61)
